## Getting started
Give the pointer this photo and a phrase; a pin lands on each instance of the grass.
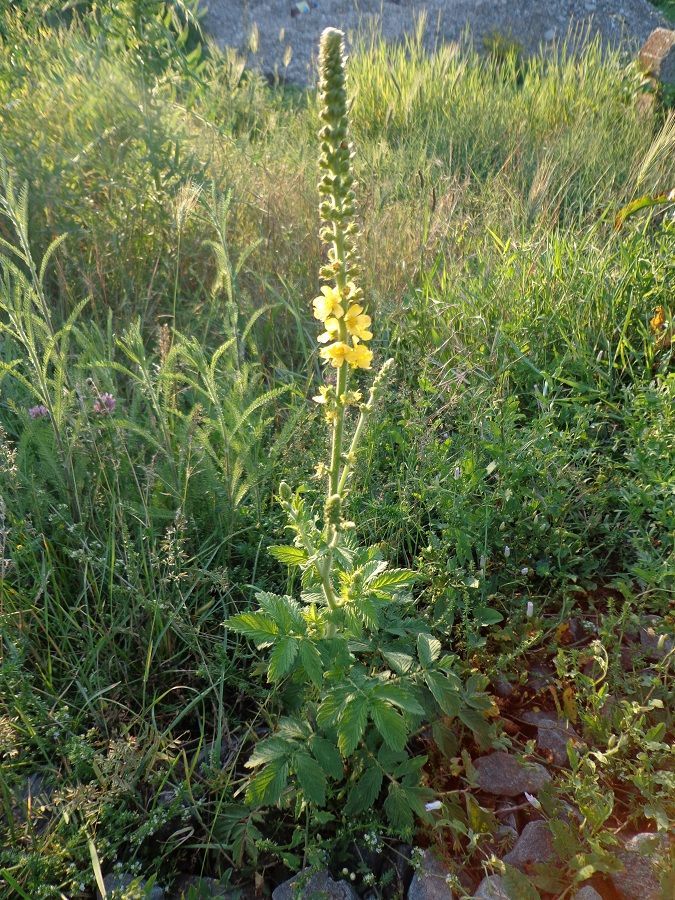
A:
(523, 454)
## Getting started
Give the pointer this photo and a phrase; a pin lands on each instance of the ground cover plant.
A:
(184, 693)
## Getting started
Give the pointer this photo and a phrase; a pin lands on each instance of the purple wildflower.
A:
(105, 404)
(38, 412)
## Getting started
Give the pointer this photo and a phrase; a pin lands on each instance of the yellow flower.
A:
(328, 305)
(360, 357)
(358, 323)
(336, 353)
(658, 323)
(331, 332)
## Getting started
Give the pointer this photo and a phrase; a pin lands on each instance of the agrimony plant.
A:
(359, 669)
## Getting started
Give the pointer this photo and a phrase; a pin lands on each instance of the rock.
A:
(503, 688)
(552, 735)
(587, 892)
(429, 881)
(535, 845)
(505, 775)
(400, 858)
(128, 887)
(653, 637)
(318, 884)
(657, 56)
(539, 678)
(192, 887)
(492, 888)
(640, 857)
(549, 35)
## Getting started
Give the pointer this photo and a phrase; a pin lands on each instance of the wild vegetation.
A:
(183, 690)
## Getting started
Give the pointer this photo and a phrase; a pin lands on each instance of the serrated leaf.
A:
(268, 750)
(311, 662)
(352, 724)
(282, 658)
(331, 706)
(283, 610)
(328, 757)
(399, 662)
(400, 696)
(398, 808)
(255, 626)
(387, 583)
(267, 786)
(390, 724)
(445, 694)
(288, 555)
(428, 649)
(365, 792)
(311, 777)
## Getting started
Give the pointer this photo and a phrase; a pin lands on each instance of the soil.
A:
(285, 44)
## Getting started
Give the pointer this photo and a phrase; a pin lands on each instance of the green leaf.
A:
(331, 706)
(388, 583)
(398, 808)
(445, 693)
(289, 556)
(486, 616)
(311, 662)
(400, 696)
(282, 658)
(390, 724)
(285, 611)
(428, 649)
(365, 792)
(328, 757)
(518, 885)
(268, 750)
(255, 626)
(311, 777)
(267, 786)
(352, 724)
(400, 662)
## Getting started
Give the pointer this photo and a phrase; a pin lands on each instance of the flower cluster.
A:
(38, 412)
(344, 330)
(340, 306)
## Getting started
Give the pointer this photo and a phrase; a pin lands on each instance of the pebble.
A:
(492, 888)
(429, 880)
(639, 879)
(319, 884)
(506, 776)
(587, 892)
(535, 845)
(655, 641)
(553, 735)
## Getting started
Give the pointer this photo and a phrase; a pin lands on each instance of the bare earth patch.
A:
(285, 43)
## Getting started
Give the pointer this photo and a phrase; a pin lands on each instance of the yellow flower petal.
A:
(331, 332)
(328, 304)
(336, 353)
(359, 356)
(358, 323)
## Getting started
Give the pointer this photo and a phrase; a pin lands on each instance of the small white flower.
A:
(524, 571)
(458, 473)
(507, 551)
(345, 871)
(435, 804)
(530, 609)
(532, 800)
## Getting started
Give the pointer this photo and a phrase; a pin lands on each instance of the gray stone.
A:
(587, 892)
(429, 881)
(317, 886)
(503, 688)
(535, 845)
(505, 775)
(640, 857)
(553, 735)
(654, 639)
(492, 888)
(657, 56)
(128, 887)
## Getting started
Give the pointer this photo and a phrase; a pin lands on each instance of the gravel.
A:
(287, 44)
